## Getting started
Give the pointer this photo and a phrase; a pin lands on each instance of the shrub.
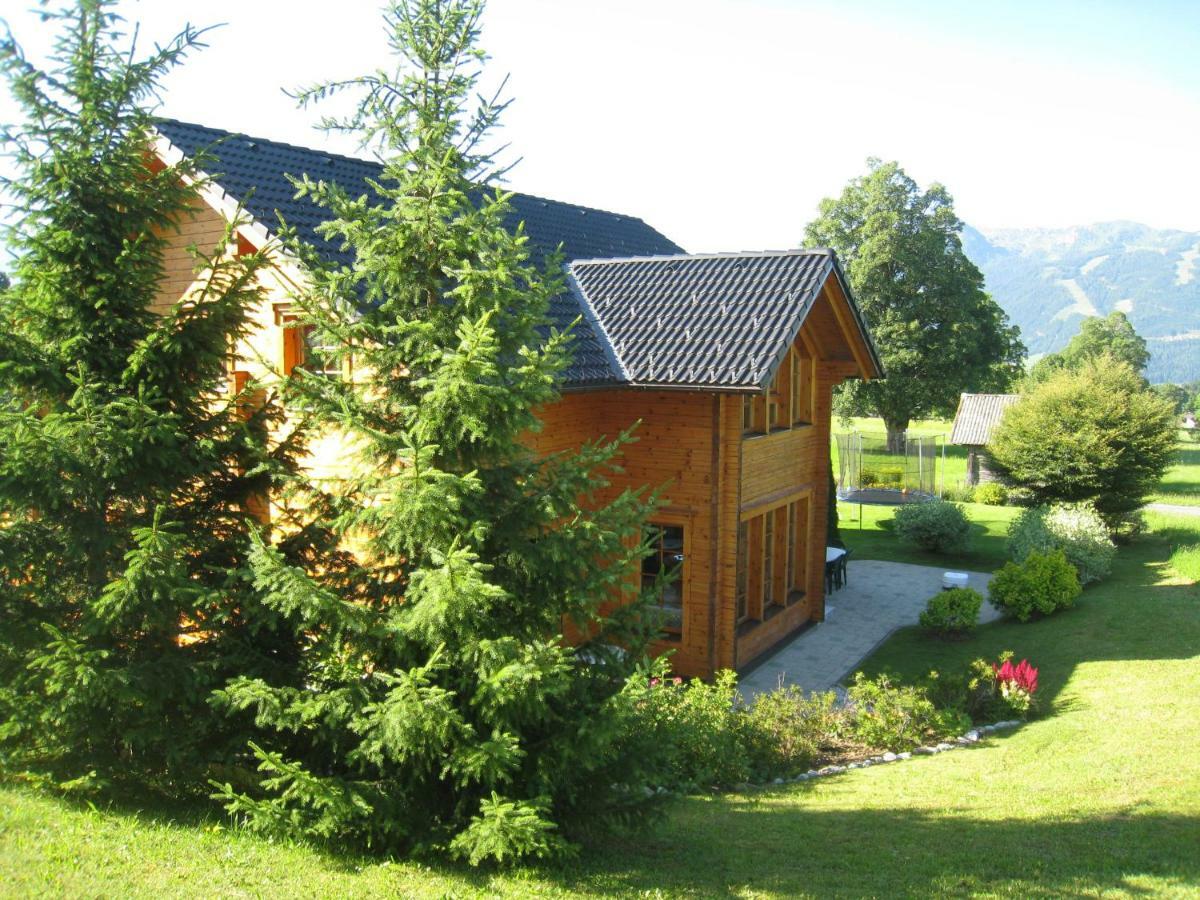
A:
(898, 717)
(990, 493)
(787, 730)
(952, 613)
(1077, 530)
(1093, 433)
(937, 526)
(695, 731)
(986, 691)
(1039, 586)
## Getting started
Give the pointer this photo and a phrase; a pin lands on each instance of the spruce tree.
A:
(436, 704)
(127, 472)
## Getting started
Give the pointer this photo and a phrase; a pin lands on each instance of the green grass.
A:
(873, 537)
(1181, 485)
(1100, 795)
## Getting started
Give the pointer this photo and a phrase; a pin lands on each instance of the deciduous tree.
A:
(937, 331)
(1113, 335)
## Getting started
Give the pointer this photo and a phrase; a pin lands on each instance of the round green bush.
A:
(1044, 583)
(991, 493)
(952, 613)
(937, 526)
(1076, 529)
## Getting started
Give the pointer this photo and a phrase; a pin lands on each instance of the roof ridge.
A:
(377, 162)
(265, 140)
(681, 257)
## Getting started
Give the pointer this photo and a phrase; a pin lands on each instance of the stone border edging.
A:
(964, 740)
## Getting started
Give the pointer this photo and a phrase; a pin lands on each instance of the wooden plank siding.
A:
(674, 447)
(788, 466)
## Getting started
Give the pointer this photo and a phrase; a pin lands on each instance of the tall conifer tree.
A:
(436, 703)
(126, 470)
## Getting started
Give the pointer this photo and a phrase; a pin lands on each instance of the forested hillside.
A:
(1048, 280)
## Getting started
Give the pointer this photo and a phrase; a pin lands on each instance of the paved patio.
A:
(878, 598)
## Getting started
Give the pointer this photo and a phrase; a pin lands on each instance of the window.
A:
(662, 573)
(743, 587)
(771, 559)
(786, 403)
(801, 388)
(318, 357)
(790, 579)
(798, 552)
(754, 414)
(302, 347)
(768, 561)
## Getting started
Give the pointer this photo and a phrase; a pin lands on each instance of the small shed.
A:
(976, 419)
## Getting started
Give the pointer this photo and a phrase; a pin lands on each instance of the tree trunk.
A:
(895, 434)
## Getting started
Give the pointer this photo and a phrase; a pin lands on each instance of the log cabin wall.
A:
(783, 490)
(272, 345)
(675, 447)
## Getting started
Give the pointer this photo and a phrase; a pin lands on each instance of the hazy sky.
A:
(724, 122)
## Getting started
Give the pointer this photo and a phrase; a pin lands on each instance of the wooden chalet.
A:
(727, 360)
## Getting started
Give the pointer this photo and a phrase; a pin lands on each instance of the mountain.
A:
(1049, 279)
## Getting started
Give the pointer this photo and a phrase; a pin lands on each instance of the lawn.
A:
(1182, 482)
(872, 537)
(1100, 795)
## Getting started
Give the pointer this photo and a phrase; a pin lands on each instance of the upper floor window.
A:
(786, 403)
(754, 414)
(318, 357)
(801, 388)
(303, 347)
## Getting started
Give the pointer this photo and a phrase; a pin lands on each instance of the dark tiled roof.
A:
(651, 316)
(254, 172)
(977, 417)
(717, 322)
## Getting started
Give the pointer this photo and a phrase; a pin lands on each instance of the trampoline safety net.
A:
(871, 471)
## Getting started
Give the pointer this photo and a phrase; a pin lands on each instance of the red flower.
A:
(1023, 675)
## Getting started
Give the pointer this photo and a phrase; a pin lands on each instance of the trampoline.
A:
(872, 471)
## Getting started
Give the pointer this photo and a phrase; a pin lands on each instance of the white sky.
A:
(724, 122)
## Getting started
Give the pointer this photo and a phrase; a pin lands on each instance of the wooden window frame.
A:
(786, 404)
(672, 632)
(771, 561)
(754, 414)
(802, 388)
(799, 511)
(741, 604)
(294, 350)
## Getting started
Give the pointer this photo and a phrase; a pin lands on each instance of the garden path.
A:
(1174, 508)
(878, 598)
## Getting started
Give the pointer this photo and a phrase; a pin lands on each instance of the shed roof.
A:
(977, 417)
(652, 316)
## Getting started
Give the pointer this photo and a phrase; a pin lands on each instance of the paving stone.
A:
(879, 598)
